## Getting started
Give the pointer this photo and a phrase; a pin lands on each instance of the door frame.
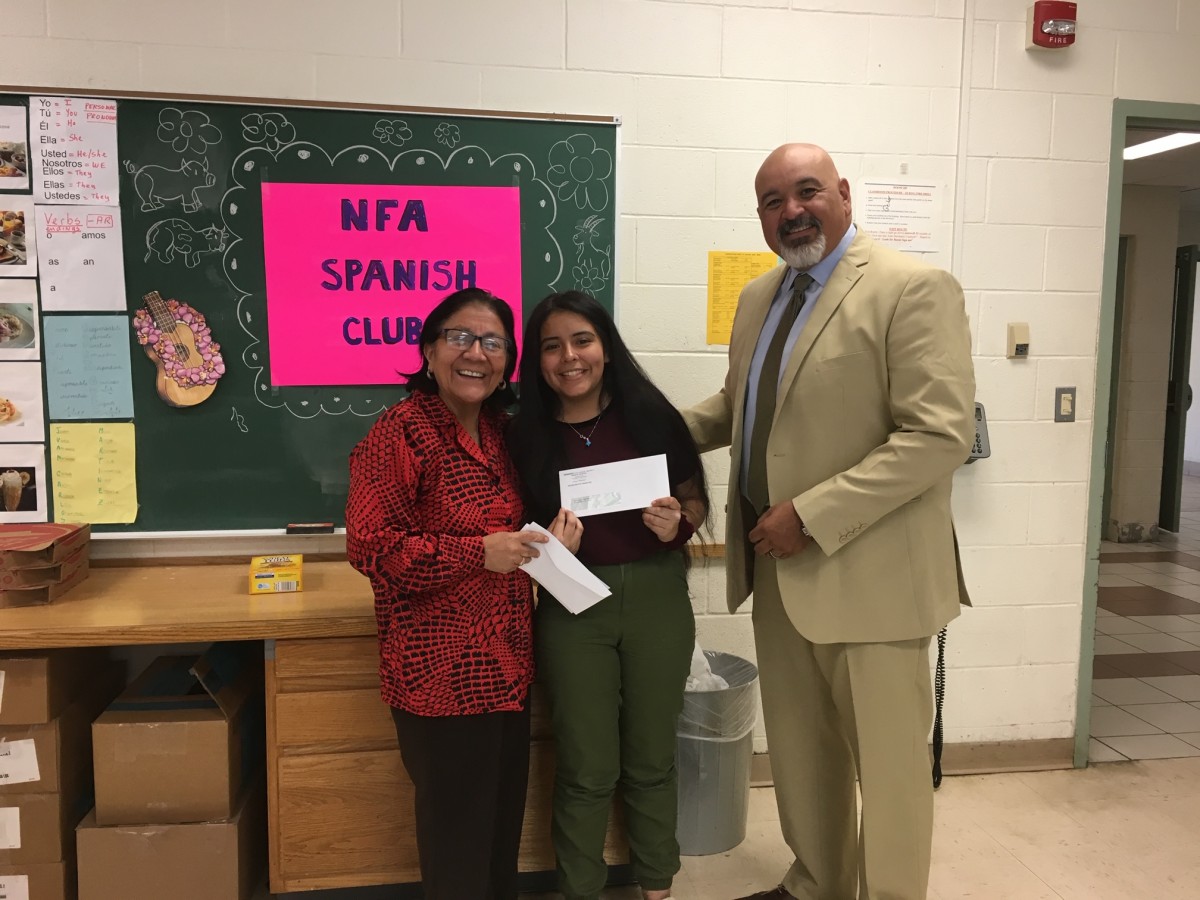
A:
(1170, 495)
(1126, 113)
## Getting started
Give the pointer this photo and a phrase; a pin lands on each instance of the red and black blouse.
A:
(454, 637)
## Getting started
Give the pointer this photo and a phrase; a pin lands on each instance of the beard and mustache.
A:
(806, 255)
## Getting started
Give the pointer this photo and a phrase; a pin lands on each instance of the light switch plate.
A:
(1064, 404)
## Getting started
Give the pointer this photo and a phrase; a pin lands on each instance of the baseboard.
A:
(972, 759)
(1190, 467)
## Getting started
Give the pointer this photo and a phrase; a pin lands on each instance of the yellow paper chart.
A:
(728, 272)
(93, 467)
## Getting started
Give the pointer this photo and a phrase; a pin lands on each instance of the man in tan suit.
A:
(838, 519)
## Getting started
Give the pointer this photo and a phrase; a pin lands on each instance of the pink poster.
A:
(353, 270)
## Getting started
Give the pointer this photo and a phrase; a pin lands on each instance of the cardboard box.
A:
(39, 881)
(72, 571)
(37, 685)
(277, 574)
(220, 860)
(175, 745)
(40, 828)
(41, 759)
(41, 544)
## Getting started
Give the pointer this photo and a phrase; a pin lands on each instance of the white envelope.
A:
(558, 571)
(612, 487)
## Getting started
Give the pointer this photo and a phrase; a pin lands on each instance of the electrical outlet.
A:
(1064, 404)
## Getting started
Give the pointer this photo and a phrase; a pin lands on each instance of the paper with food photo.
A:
(18, 243)
(22, 483)
(21, 419)
(14, 149)
(19, 336)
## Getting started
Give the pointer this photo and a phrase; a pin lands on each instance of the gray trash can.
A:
(713, 744)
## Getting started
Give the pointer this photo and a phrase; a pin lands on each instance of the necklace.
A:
(586, 438)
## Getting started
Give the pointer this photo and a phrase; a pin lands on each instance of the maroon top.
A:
(618, 537)
(454, 638)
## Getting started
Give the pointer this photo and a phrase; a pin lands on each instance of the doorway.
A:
(1140, 666)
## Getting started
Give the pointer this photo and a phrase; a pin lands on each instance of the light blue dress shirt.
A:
(820, 274)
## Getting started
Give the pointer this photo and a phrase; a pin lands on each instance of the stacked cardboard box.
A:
(48, 700)
(41, 562)
(180, 801)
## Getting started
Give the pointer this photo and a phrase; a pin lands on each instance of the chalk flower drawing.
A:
(447, 134)
(578, 169)
(393, 131)
(187, 131)
(269, 130)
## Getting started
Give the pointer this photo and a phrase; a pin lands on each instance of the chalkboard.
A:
(212, 200)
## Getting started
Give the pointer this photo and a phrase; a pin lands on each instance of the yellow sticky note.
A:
(94, 474)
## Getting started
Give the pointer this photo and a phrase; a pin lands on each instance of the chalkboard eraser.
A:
(310, 528)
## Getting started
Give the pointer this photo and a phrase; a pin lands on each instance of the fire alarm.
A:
(1050, 25)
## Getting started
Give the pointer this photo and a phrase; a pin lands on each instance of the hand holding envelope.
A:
(559, 572)
(616, 486)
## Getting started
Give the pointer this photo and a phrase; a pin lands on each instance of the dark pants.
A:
(470, 775)
(614, 675)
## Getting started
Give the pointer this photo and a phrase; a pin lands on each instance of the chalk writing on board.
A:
(187, 131)
(169, 240)
(74, 150)
(593, 263)
(157, 186)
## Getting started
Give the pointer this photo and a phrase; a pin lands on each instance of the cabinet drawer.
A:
(345, 819)
(327, 664)
(332, 722)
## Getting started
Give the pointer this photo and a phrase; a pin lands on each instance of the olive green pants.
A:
(614, 675)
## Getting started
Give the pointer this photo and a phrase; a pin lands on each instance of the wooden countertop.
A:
(184, 604)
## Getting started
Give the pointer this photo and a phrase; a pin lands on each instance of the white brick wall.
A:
(704, 89)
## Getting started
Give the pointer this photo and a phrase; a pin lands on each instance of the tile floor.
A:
(1146, 671)
(1114, 831)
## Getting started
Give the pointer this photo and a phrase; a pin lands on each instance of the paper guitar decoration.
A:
(180, 344)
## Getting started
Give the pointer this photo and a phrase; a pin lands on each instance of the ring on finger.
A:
(774, 555)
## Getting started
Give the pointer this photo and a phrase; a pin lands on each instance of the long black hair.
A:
(421, 380)
(535, 441)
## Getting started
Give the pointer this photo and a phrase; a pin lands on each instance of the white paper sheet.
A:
(82, 266)
(10, 828)
(612, 487)
(14, 887)
(558, 571)
(75, 151)
(18, 762)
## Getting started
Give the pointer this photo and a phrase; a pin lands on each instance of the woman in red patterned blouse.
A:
(432, 519)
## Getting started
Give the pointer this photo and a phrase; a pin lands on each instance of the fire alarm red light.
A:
(1050, 25)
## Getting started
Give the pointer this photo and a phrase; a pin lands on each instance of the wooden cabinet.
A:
(340, 800)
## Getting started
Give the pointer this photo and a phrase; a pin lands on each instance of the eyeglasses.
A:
(463, 340)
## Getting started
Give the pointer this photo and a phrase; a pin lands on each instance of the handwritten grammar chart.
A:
(94, 466)
(87, 367)
(74, 143)
(81, 266)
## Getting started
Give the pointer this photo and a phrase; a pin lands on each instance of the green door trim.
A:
(1186, 116)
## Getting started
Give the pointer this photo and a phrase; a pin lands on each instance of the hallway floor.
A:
(1146, 687)
(1115, 831)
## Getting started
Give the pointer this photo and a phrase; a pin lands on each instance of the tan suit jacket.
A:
(875, 412)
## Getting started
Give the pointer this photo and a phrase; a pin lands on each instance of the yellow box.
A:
(277, 574)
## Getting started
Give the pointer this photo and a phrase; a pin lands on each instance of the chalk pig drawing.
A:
(155, 184)
(173, 238)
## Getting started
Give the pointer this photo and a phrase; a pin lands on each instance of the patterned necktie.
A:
(768, 386)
